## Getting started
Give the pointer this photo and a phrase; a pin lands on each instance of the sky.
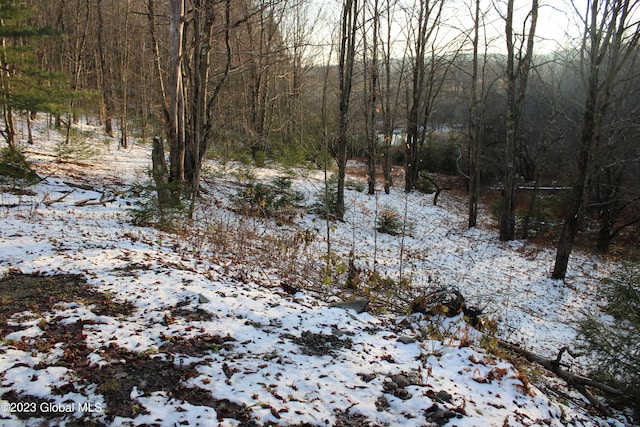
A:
(557, 23)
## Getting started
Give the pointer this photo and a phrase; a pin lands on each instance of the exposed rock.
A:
(382, 404)
(406, 340)
(291, 290)
(359, 305)
(390, 386)
(439, 416)
(403, 394)
(367, 378)
(401, 380)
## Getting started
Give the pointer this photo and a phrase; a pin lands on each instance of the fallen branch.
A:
(578, 382)
(94, 202)
(82, 186)
(50, 202)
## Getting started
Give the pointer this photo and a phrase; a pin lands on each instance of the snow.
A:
(263, 366)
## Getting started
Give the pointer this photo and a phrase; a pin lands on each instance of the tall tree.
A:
(429, 65)
(24, 85)
(611, 35)
(105, 72)
(176, 126)
(519, 59)
(346, 60)
(188, 120)
(371, 77)
(475, 121)
(203, 88)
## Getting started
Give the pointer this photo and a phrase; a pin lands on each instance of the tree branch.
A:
(578, 382)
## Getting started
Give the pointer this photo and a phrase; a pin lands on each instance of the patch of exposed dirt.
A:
(39, 294)
(318, 344)
(197, 346)
(115, 381)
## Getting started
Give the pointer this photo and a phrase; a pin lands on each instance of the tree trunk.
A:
(105, 73)
(177, 107)
(517, 76)
(372, 87)
(29, 129)
(386, 164)
(507, 210)
(576, 381)
(160, 176)
(475, 127)
(347, 54)
(389, 101)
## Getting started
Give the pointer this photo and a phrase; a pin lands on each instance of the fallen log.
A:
(576, 381)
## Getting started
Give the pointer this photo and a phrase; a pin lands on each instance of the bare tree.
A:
(429, 64)
(611, 34)
(371, 77)
(390, 92)
(105, 70)
(476, 114)
(519, 59)
(346, 59)
(176, 125)
(188, 121)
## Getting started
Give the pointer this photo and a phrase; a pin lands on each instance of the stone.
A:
(443, 396)
(403, 394)
(390, 386)
(401, 380)
(359, 305)
(406, 340)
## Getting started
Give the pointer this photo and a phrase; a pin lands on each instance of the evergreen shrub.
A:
(14, 167)
(612, 344)
(273, 200)
(389, 221)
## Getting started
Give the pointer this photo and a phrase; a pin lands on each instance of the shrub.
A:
(355, 185)
(77, 150)
(14, 167)
(288, 154)
(389, 221)
(275, 199)
(424, 184)
(147, 210)
(613, 345)
(326, 199)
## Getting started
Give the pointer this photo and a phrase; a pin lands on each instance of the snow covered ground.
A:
(191, 334)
